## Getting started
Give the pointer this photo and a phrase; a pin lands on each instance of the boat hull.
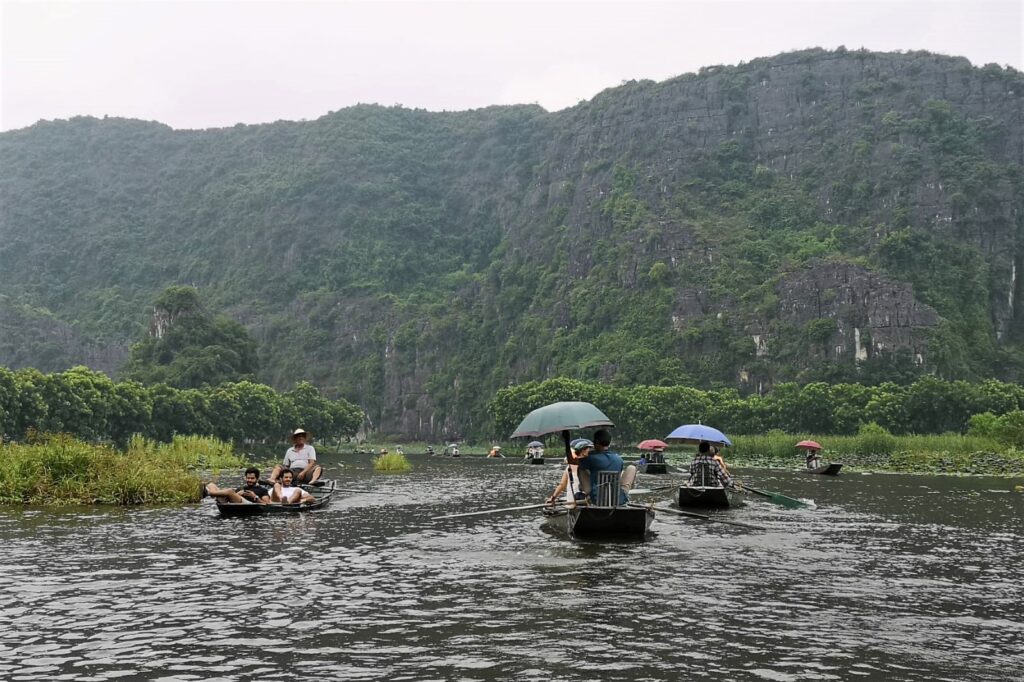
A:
(536, 460)
(591, 522)
(655, 468)
(826, 469)
(707, 497)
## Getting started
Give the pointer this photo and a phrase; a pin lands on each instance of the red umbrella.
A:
(809, 444)
(652, 444)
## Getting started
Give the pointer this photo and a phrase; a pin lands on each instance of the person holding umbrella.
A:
(811, 449)
(570, 483)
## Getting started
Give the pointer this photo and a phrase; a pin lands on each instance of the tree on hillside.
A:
(189, 347)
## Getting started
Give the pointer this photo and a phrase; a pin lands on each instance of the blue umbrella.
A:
(695, 433)
(535, 444)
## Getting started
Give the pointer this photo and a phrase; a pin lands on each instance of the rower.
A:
(300, 459)
(495, 451)
(570, 483)
(812, 458)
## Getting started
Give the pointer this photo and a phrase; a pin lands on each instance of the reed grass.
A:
(391, 463)
(875, 449)
(61, 470)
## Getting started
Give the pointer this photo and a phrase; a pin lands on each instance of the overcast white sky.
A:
(198, 64)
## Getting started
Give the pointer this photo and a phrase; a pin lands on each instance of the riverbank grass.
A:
(62, 470)
(391, 463)
(874, 449)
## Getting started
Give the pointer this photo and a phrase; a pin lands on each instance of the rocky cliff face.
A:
(31, 338)
(873, 313)
(735, 227)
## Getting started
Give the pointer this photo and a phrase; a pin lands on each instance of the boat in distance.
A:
(825, 469)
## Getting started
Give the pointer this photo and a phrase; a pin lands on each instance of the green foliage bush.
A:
(872, 439)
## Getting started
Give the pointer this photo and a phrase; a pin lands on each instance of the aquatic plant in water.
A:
(391, 463)
(60, 469)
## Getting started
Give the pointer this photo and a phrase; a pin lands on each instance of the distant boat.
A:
(825, 469)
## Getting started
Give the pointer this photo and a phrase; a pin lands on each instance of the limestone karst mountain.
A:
(818, 214)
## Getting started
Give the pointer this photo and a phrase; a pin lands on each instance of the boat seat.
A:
(704, 476)
(608, 487)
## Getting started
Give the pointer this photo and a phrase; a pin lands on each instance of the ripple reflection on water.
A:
(883, 581)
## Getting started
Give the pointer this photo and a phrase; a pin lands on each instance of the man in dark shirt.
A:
(252, 491)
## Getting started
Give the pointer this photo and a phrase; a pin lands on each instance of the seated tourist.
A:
(597, 457)
(287, 493)
(707, 471)
(252, 491)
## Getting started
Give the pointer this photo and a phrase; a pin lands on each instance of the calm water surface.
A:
(890, 578)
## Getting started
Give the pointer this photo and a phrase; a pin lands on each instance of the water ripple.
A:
(891, 577)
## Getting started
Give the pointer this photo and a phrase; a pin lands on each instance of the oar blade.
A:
(780, 499)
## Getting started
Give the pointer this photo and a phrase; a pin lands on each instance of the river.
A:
(890, 577)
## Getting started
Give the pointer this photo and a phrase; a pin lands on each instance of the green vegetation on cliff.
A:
(187, 347)
(815, 216)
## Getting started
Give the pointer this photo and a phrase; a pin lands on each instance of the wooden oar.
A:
(648, 491)
(494, 511)
(777, 498)
(702, 517)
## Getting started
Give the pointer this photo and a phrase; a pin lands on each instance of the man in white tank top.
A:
(285, 492)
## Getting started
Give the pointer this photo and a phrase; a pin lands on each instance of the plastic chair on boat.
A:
(608, 487)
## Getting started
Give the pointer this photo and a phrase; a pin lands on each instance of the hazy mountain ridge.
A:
(744, 225)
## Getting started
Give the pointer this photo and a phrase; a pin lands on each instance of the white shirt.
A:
(286, 493)
(297, 459)
(573, 486)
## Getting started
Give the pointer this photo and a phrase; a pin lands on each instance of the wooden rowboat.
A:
(707, 497)
(655, 464)
(825, 469)
(322, 495)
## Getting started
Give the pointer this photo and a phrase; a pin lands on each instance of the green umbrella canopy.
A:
(557, 417)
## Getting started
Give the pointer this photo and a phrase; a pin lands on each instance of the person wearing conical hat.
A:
(300, 459)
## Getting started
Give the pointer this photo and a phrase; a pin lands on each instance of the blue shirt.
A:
(602, 461)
